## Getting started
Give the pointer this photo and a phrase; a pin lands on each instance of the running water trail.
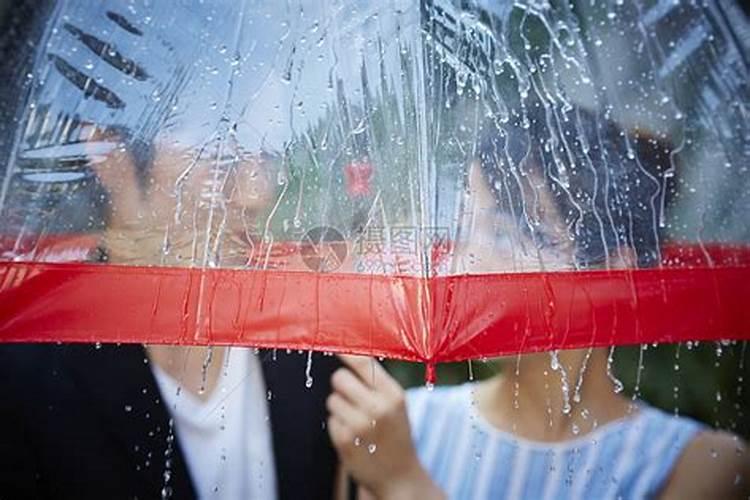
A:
(308, 370)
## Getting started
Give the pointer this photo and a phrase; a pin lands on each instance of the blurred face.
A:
(530, 237)
(533, 239)
(193, 208)
(237, 187)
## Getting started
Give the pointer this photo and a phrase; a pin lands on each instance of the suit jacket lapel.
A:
(124, 392)
(305, 461)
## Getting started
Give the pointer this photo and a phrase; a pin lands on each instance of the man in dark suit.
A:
(81, 421)
(87, 421)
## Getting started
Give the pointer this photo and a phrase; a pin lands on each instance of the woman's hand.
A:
(370, 430)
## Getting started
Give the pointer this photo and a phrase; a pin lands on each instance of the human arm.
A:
(369, 428)
(714, 465)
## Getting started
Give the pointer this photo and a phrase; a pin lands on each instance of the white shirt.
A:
(226, 439)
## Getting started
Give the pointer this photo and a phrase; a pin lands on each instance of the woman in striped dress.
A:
(554, 425)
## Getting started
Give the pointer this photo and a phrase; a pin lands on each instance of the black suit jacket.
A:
(81, 422)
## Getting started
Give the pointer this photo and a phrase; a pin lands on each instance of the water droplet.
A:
(461, 78)
(554, 361)
(618, 387)
(371, 448)
(308, 368)
(204, 369)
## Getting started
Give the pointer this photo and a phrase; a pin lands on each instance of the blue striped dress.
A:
(630, 458)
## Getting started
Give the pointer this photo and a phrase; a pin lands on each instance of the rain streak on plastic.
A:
(427, 180)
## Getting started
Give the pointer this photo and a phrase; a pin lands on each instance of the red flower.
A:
(358, 177)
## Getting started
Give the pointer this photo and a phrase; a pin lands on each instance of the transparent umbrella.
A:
(430, 181)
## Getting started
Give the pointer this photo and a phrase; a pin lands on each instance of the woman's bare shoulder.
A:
(715, 464)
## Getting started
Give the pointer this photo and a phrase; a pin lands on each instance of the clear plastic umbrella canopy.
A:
(429, 180)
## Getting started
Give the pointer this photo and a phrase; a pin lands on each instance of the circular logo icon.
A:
(323, 249)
